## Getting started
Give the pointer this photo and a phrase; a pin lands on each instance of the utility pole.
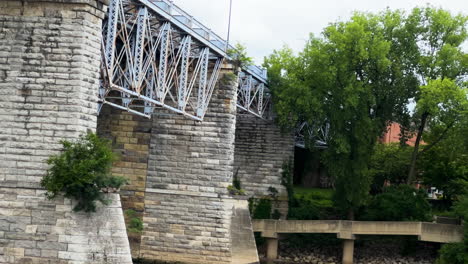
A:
(229, 25)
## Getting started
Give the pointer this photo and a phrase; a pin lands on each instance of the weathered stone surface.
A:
(69, 238)
(130, 135)
(261, 149)
(49, 70)
(187, 211)
(244, 249)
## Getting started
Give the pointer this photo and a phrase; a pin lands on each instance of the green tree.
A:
(389, 162)
(440, 64)
(445, 165)
(354, 80)
(81, 172)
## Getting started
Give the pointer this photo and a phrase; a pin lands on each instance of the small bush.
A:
(399, 203)
(457, 253)
(303, 209)
(234, 191)
(135, 224)
(81, 172)
(262, 209)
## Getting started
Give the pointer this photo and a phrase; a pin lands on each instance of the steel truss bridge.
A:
(155, 55)
(311, 135)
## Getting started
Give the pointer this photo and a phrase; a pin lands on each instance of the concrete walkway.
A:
(431, 232)
(244, 250)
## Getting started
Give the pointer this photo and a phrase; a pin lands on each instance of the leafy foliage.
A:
(287, 179)
(361, 75)
(311, 204)
(236, 188)
(389, 162)
(441, 66)
(234, 191)
(399, 203)
(135, 224)
(303, 209)
(343, 80)
(457, 253)
(260, 208)
(445, 165)
(81, 171)
(239, 56)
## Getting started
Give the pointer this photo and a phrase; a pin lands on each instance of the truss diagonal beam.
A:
(156, 55)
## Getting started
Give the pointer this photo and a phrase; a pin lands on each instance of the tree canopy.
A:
(360, 75)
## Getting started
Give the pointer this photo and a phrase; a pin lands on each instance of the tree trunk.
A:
(414, 156)
(351, 214)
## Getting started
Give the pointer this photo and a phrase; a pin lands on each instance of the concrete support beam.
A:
(348, 251)
(272, 249)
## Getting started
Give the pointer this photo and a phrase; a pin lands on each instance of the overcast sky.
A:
(265, 25)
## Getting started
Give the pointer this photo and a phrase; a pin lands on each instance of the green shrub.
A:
(81, 172)
(457, 253)
(302, 208)
(399, 203)
(234, 191)
(454, 253)
(262, 209)
(287, 179)
(135, 224)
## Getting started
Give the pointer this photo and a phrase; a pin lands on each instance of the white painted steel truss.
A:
(316, 136)
(157, 55)
(252, 95)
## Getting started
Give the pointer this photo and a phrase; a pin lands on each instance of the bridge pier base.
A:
(348, 251)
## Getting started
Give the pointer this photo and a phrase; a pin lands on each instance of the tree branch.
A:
(438, 139)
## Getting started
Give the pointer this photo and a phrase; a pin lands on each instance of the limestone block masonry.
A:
(49, 70)
(261, 149)
(187, 210)
(130, 135)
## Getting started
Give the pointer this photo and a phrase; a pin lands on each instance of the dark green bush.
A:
(262, 209)
(457, 253)
(399, 203)
(81, 172)
(302, 208)
(135, 224)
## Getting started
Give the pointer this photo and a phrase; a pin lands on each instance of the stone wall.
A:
(261, 149)
(36, 230)
(49, 70)
(187, 210)
(130, 135)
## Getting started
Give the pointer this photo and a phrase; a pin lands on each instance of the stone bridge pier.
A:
(49, 71)
(188, 210)
(262, 151)
(179, 169)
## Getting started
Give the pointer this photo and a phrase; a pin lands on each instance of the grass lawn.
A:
(319, 197)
